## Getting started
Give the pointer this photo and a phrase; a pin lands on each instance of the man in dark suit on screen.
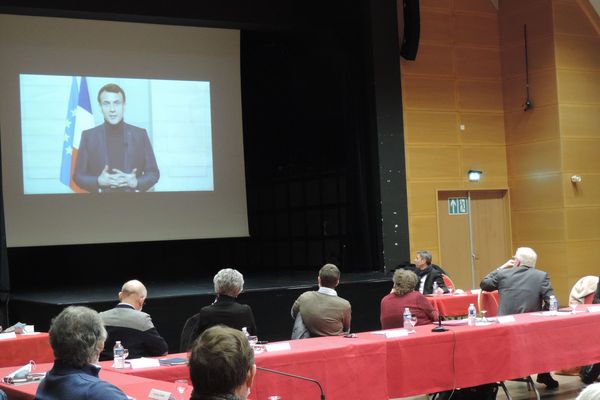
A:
(115, 156)
(522, 288)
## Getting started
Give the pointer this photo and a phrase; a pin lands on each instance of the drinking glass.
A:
(413, 320)
(181, 386)
(483, 318)
(573, 306)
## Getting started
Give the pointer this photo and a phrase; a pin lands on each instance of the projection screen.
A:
(116, 132)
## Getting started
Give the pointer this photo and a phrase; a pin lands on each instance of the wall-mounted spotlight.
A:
(576, 179)
(474, 175)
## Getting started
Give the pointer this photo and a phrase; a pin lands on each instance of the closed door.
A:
(473, 239)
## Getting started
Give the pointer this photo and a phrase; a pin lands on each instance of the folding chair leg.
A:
(503, 386)
(532, 385)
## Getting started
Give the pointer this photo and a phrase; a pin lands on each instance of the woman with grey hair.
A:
(404, 295)
(225, 310)
(77, 337)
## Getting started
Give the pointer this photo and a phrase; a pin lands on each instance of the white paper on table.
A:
(9, 335)
(475, 291)
(144, 363)
(593, 308)
(278, 346)
(392, 333)
(156, 394)
(506, 318)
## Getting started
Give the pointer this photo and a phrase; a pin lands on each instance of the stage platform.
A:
(171, 303)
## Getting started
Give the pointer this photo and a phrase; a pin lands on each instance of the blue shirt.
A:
(64, 382)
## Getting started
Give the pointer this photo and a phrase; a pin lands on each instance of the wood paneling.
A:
(489, 159)
(433, 59)
(538, 225)
(581, 254)
(577, 52)
(583, 223)
(436, 27)
(542, 90)
(581, 121)
(432, 162)
(424, 230)
(476, 6)
(583, 194)
(527, 127)
(482, 128)
(535, 158)
(479, 30)
(536, 192)
(581, 156)
(579, 87)
(480, 95)
(430, 127)
(428, 94)
(473, 62)
(570, 18)
(537, 14)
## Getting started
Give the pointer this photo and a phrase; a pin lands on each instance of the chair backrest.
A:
(188, 334)
(487, 301)
(583, 288)
(448, 282)
(589, 299)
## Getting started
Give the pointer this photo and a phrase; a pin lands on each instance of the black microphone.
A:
(296, 377)
(440, 327)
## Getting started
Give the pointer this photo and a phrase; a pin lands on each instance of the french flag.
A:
(79, 118)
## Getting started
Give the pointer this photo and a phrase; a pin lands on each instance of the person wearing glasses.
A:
(115, 156)
(130, 325)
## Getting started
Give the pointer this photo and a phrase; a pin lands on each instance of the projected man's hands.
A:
(118, 178)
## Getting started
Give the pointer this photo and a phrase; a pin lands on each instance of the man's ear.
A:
(250, 376)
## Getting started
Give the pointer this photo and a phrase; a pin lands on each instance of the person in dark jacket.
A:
(77, 336)
(590, 373)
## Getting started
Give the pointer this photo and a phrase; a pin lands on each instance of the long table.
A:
(134, 386)
(373, 367)
(455, 305)
(26, 347)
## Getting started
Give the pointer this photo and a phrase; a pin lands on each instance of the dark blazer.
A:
(521, 289)
(225, 310)
(92, 157)
(433, 276)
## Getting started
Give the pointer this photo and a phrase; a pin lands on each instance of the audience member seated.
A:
(133, 327)
(522, 288)
(225, 310)
(590, 373)
(582, 288)
(428, 276)
(221, 365)
(592, 392)
(323, 312)
(77, 337)
(404, 295)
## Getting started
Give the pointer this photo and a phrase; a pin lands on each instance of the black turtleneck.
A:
(115, 146)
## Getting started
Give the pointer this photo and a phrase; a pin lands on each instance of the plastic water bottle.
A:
(471, 315)
(435, 288)
(407, 317)
(553, 305)
(118, 351)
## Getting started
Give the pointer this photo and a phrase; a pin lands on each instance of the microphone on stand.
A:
(295, 377)
(440, 327)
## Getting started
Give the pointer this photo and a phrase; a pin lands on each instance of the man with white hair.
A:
(133, 327)
(522, 288)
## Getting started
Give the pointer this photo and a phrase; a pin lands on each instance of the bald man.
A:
(133, 327)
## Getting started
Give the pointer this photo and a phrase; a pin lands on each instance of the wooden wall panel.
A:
(489, 159)
(536, 192)
(476, 6)
(424, 230)
(542, 89)
(583, 223)
(584, 194)
(472, 62)
(538, 225)
(527, 127)
(537, 14)
(581, 156)
(435, 4)
(577, 52)
(428, 94)
(479, 30)
(432, 59)
(580, 121)
(579, 254)
(570, 18)
(480, 95)
(553, 258)
(482, 128)
(430, 127)
(436, 27)
(432, 162)
(579, 87)
(535, 158)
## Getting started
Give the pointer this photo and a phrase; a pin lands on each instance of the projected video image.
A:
(100, 135)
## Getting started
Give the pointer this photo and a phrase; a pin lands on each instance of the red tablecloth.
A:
(132, 385)
(163, 373)
(454, 305)
(25, 348)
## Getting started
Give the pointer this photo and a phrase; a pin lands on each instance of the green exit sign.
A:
(458, 205)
